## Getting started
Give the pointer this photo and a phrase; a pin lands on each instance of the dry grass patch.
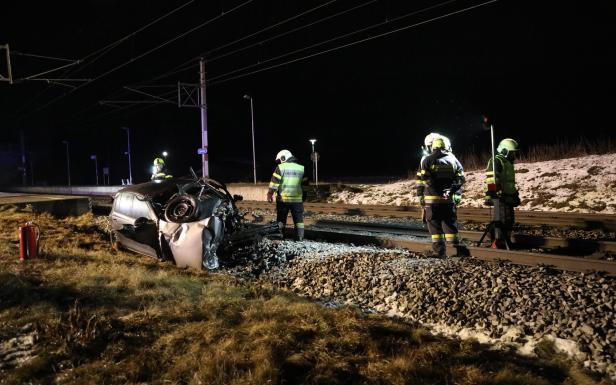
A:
(100, 316)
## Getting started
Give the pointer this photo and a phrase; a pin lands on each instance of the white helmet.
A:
(433, 135)
(283, 156)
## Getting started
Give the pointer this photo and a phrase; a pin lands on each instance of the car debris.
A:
(191, 221)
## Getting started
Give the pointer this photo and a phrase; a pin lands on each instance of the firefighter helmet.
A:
(159, 161)
(506, 146)
(283, 156)
(438, 144)
(429, 139)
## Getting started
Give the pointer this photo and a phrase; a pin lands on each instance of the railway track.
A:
(558, 262)
(578, 220)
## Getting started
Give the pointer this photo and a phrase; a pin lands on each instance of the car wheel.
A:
(181, 209)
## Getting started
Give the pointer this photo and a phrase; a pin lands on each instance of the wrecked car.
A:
(191, 221)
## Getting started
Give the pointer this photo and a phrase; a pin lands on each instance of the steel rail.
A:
(527, 258)
(582, 220)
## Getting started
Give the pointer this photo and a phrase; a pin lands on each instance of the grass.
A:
(104, 316)
(475, 159)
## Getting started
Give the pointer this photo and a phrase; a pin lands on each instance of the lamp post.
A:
(130, 167)
(165, 153)
(93, 157)
(252, 123)
(315, 158)
(68, 162)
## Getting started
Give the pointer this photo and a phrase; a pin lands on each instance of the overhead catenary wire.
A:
(178, 68)
(327, 41)
(357, 42)
(104, 50)
(214, 81)
(132, 60)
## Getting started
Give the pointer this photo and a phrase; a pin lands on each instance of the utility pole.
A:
(23, 158)
(130, 167)
(8, 64)
(203, 106)
(68, 163)
(252, 123)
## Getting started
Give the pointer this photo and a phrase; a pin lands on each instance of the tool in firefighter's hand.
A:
(423, 215)
(270, 196)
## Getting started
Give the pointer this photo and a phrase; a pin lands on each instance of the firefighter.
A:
(439, 188)
(501, 186)
(159, 171)
(287, 182)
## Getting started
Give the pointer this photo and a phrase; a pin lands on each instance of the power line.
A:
(357, 41)
(373, 26)
(16, 53)
(209, 21)
(178, 68)
(104, 50)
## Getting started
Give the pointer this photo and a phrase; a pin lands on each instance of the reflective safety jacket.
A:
(162, 175)
(503, 181)
(440, 176)
(287, 180)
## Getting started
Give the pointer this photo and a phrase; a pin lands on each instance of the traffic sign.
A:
(202, 151)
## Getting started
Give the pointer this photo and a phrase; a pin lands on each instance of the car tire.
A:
(182, 209)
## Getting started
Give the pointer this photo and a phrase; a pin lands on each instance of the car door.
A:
(134, 224)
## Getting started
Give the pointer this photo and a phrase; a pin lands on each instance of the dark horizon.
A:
(369, 105)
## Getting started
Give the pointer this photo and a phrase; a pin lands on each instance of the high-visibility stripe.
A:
(438, 236)
(451, 236)
(299, 225)
(276, 175)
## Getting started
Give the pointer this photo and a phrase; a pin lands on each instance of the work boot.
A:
(461, 252)
(438, 250)
(299, 234)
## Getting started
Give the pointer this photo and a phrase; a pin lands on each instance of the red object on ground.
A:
(29, 235)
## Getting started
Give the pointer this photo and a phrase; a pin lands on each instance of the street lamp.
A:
(252, 122)
(130, 167)
(165, 153)
(315, 158)
(93, 157)
(68, 163)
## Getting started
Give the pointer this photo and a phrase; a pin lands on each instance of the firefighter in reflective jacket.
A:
(159, 171)
(501, 186)
(287, 182)
(439, 188)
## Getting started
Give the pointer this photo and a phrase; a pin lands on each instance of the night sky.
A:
(533, 68)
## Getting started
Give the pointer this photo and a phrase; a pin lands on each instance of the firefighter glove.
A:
(270, 196)
(457, 198)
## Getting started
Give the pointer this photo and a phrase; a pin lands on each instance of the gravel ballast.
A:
(502, 304)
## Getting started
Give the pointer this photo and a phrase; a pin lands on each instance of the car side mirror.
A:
(237, 198)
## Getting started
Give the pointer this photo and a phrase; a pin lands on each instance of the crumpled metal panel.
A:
(186, 241)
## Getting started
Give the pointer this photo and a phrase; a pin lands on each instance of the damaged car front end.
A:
(191, 221)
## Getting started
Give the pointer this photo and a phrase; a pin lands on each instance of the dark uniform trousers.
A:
(442, 222)
(297, 213)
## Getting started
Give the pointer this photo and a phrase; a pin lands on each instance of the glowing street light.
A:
(165, 153)
(315, 158)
